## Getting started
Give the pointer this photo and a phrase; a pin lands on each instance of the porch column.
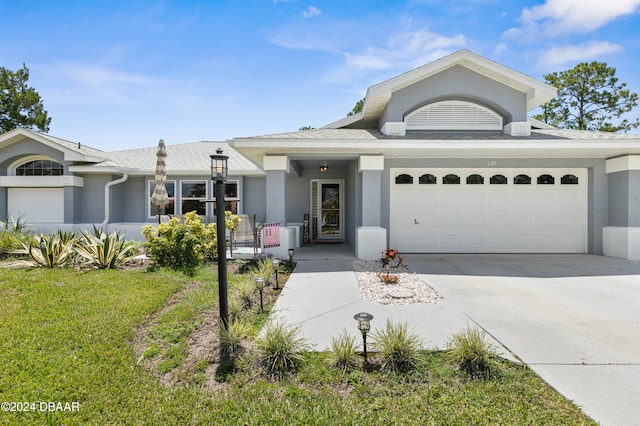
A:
(371, 238)
(277, 168)
(622, 237)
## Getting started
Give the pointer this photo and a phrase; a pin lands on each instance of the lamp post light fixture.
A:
(276, 266)
(260, 284)
(219, 175)
(364, 325)
(291, 252)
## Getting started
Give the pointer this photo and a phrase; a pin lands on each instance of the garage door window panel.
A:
(522, 180)
(427, 179)
(546, 180)
(475, 179)
(498, 180)
(451, 179)
(569, 180)
(404, 179)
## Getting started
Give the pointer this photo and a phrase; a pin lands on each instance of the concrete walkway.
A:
(574, 319)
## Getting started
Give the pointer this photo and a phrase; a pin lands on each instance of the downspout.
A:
(107, 198)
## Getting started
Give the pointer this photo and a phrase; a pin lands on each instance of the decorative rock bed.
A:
(409, 289)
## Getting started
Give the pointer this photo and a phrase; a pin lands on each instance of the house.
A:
(441, 159)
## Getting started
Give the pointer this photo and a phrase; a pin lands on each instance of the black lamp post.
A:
(276, 266)
(364, 325)
(291, 252)
(260, 284)
(219, 175)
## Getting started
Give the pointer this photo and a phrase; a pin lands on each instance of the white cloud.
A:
(401, 52)
(556, 17)
(311, 12)
(560, 56)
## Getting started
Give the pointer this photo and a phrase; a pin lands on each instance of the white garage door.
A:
(488, 210)
(38, 205)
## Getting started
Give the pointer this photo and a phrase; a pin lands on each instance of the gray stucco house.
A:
(442, 159)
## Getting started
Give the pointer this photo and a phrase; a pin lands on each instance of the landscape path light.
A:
(260, 284)
(364, 325)
(291, 253)
(276, 266)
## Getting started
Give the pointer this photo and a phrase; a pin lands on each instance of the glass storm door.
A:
(329, 210)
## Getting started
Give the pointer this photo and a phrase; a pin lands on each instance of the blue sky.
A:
(122, 74)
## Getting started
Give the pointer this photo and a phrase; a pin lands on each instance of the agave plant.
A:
(48, 250)
(100, 250)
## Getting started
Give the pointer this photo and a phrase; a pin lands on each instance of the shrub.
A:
(398, 347)
(49, 250)
(343, 352)
(279, 348)
(181, 246)
(471, 353)
(102, 251)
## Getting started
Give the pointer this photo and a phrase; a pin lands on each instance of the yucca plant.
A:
(398, 346)
(279, 348)
(231, 338)
(343, 352)
(48, 250)
(104, 251)
(471, 353)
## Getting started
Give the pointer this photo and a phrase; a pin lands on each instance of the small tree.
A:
(20, 105)
(589, 96)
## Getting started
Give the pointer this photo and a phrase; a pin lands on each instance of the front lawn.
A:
(128, 347)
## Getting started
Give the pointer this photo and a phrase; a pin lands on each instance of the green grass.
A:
(68, 336)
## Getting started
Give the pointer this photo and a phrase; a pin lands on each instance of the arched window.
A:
(40, 168)
(404, 179)
(475, 179)
(569, 180)
(522, 180)
(546, 180)
(451, 179)
(427, 179)
(498, 180)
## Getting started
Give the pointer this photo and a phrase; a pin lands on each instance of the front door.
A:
(328, 210)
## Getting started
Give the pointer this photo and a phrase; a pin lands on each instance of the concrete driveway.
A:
(574, 319)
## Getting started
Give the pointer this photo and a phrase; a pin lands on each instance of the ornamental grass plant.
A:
(471, 353)
(398, 347)
(343, 352)
(279, 348)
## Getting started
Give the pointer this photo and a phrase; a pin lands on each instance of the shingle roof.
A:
(192, 158)
(374, 134)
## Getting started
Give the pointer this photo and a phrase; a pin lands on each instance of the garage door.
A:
(488, 210)
(37, 205)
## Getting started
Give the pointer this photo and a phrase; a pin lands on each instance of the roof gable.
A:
(535, 92)
(72, 151)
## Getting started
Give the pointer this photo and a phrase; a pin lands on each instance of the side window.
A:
(569, 180)
(546, 180)
(451, 179)
(193, 196)
(522, 180)
(404, 179)
(170, 207)
(498, 180)
(427, 179)
(475, 179)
